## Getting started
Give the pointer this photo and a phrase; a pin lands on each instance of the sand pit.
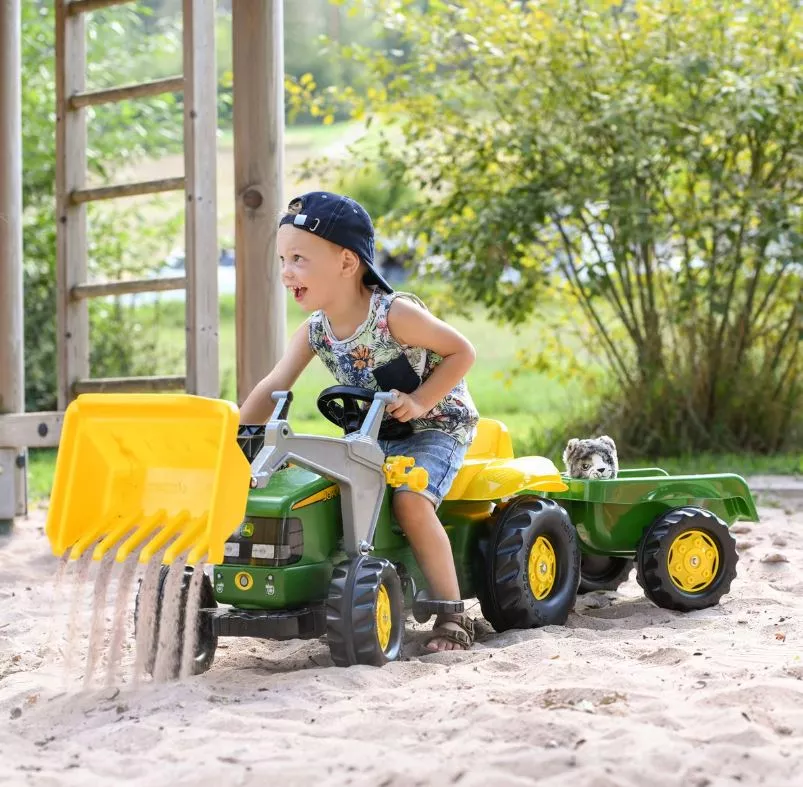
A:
(624, 694)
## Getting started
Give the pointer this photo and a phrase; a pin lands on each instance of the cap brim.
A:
(372, 277)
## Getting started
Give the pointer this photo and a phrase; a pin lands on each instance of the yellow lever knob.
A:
(400, 470)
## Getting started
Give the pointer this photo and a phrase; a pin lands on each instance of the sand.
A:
(624, 694)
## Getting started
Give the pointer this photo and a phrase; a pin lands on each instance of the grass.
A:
(306, 137)
(743, 464)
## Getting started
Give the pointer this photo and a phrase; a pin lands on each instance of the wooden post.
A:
(200, 171)
(72, 315)
(12, 367)
(258, 55)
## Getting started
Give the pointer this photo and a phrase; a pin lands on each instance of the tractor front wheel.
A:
(533, 566)
(205, 638)
(365, 613)
(687, 560)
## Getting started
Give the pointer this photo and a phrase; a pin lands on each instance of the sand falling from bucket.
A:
(73, 623)
(164, 645)
(120, 618)
(191, 631)
(51, 640)
(168, 642)
(97, 626)
(146, 618)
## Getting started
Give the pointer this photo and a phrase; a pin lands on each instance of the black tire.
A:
(355, 609)
(508, 599)
(205, 640)
(675, 529)
(603, 573)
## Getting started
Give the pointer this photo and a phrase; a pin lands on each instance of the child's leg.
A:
(429, 541)
(441, 456)
(433, 553)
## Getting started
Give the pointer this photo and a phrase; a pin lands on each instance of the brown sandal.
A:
(464, 637)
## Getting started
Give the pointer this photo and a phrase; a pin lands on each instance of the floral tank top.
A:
(352, 362)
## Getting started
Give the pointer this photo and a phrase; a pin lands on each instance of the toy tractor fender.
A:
(490, 471)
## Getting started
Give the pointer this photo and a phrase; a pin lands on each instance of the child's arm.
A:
(258, 406)
(412, 325)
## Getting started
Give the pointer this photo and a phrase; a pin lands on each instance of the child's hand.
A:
(405, 407)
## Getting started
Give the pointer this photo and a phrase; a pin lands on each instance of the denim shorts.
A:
(440, 454)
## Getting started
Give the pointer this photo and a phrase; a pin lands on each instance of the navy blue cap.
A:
(340, 220)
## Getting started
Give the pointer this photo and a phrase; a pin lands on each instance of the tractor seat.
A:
(492, 441)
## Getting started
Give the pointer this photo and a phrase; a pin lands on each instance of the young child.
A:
(358, 325)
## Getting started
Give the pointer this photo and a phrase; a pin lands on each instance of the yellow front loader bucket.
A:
(148, 470)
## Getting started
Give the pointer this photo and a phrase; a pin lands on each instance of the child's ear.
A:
(350, 262)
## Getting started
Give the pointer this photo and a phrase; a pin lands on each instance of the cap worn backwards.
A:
(340, 220)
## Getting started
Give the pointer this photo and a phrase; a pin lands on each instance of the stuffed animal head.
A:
(593, 457)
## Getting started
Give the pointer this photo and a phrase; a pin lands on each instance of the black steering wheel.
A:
(341, 404)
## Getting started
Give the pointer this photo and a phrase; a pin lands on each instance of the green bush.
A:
(638, 162)
(381, 194)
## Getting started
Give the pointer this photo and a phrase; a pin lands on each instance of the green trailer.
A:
(674, 528)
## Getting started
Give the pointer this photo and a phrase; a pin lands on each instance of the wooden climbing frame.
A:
(258, 152)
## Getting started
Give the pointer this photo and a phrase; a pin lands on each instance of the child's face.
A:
(312, 268)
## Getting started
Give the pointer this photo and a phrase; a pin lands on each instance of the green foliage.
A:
(121, 241)
(378, 191)
(638, 161)
(313, 32)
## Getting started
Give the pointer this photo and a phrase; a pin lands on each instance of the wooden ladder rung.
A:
(130, 384)
(80, 196)
(114, 94)
(85, 6)
(128, 286)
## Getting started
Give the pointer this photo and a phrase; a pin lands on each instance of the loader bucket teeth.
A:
(144, 470)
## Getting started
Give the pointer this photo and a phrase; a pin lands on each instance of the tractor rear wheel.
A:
(365, 613)
(532, 566)
(603, 573)
(687, 559)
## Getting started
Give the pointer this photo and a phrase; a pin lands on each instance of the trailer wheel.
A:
(603, 573)
(532, 566)
(687, 560)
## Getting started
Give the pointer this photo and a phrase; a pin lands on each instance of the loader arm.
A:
(355, 462)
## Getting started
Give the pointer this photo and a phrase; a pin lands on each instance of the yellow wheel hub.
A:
(541, 568)
(383, 617)
(693, 561)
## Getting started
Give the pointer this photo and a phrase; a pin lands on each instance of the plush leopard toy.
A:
(593, 457)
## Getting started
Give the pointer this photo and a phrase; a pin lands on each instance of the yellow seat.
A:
(490, 471)
(492, 441)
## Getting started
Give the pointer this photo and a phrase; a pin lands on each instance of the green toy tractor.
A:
(319, 552)
(303, 543)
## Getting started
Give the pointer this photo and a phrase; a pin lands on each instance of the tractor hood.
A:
(290, 489)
